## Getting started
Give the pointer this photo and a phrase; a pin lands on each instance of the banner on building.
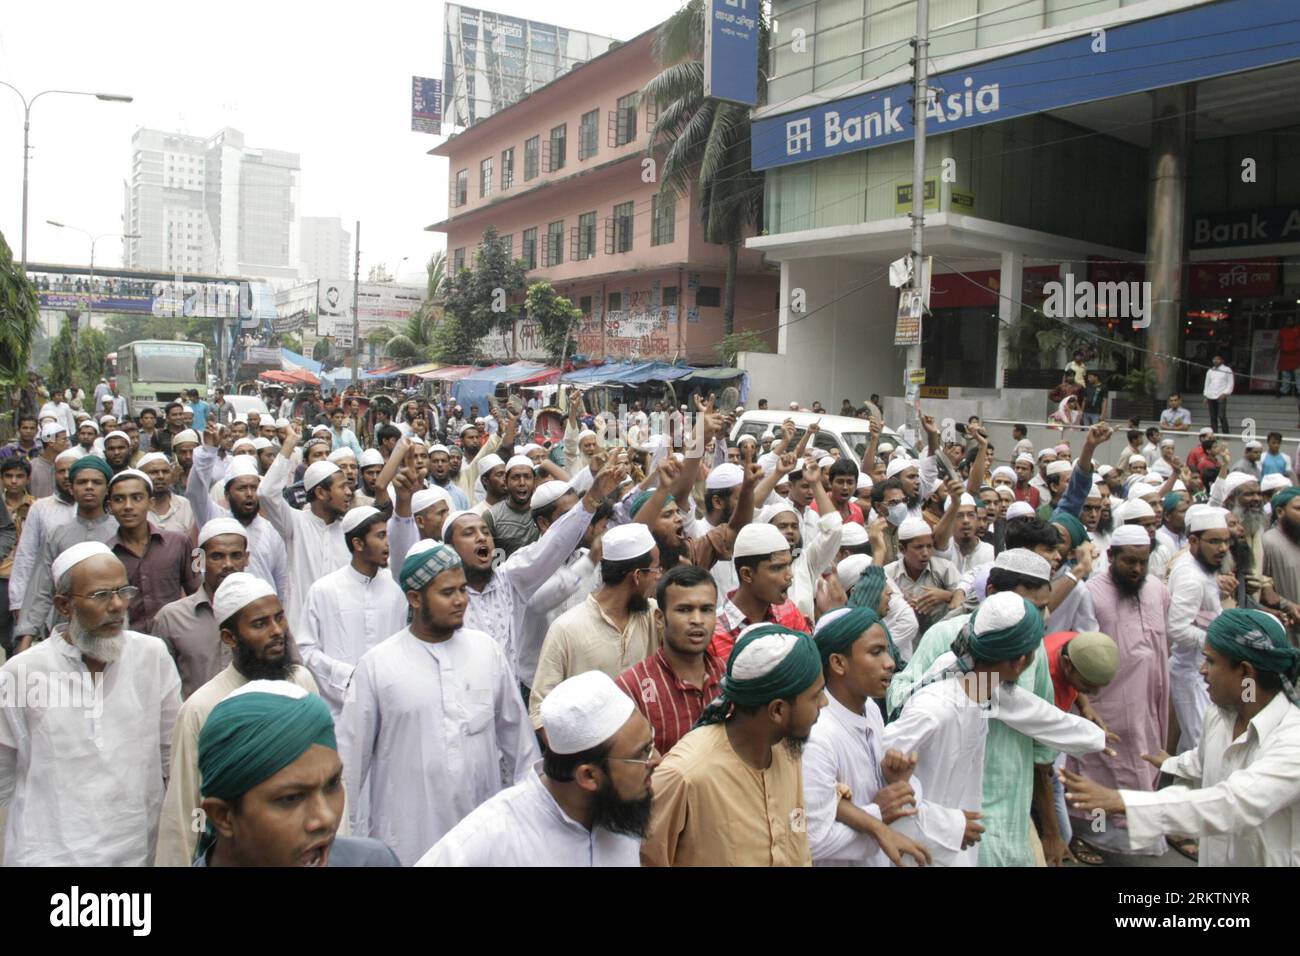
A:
(731, 50)
(426, 105)
(1225, 280)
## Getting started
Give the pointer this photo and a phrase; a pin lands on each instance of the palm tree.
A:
(416, 340)
(706, 140)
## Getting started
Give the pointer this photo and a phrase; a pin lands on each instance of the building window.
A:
(588, 134)
(616, 302)
(625, 119)
(485, 178)
(670, 297)
(553, 254)
(457, 261)
(586, 236)
(663, 212)
(709, 297)
(558, 139)
(530, 248)
(508, 244)
(584, 305)
(623, 227)
(507, 168)
(462, 187)
(532, 150)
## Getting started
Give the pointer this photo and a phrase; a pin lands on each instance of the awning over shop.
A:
(638, 373)
(445, 373)
(478, 386)
(291, 360)
(299, 376)
(421, 369)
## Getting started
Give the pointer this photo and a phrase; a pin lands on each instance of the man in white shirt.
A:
(353, 609)
(589, 802)
(433, 719)
(1245, 809)
(1218, 386)
(1175, 417)
(82, 770)
(965, 551)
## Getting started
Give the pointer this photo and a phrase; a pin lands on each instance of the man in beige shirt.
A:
(730, 793)
(611, 630)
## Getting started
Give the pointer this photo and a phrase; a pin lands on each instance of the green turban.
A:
(1005, 627)
(422, 566)
(1280, 499)
(1170, 501)
(871, 585)
(788, 677)
(1259, 639)
(1078, 533)
(836, 632)
(642, 498)
(255, 733)
(90, 461)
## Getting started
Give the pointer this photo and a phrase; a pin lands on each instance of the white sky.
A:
(330, 81)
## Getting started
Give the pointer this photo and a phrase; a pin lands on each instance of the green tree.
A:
(699, 138)
(61, 369)
(92, 349)
(555, 315)
(479, 299)
(19, 322)
(729, 345)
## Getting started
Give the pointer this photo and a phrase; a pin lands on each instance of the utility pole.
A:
(920, 103)
(356, 319)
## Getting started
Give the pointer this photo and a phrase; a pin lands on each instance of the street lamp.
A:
(27, 125)
(399, 268)
(90, 298)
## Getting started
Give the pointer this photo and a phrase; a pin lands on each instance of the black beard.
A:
(628, 817)
(669, 556)
(1292, 531)
(245, 515)
(253, 667)
(1243, 558)
(1212, 568)
(637, 603)
(794, 746)
(913, 501)
(1126, 588)
(1106, 525)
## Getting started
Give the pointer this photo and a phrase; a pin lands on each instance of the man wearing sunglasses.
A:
(586, 803)
(86, 726)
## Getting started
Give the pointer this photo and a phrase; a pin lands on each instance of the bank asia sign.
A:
(1211, 40)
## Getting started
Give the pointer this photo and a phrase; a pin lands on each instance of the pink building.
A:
(564, 176)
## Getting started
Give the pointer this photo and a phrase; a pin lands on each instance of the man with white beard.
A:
(82, 774)
(1240, 494)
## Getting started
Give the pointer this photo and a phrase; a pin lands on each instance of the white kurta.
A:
(314, 547)
(948, 730)
(815, 557)
(426, 733)
(524, 826)
(43, 517)
(567, 588)
(347, 614)
(83, 775)
(845, 747)
(1246, 809)
(1193, 604)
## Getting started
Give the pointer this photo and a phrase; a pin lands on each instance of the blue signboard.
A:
(1196, 44)
(426, 105)
(731, 50)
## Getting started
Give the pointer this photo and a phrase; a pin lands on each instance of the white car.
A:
(243, 404)
(850, 435)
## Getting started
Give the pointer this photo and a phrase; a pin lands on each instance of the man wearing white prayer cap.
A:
(371, 463)
(491, 487)
(1193, 603)
(765, 573)
(511, 519)
(588, 801)
(930, 583)
(615, 627)
(108, 728)
(815, 556)
(1240, 493)
(354, 608)
(1019, 509)
(251, 629)
(54, 441)
(965, 550)
(169, 511)
(346, 459)
(44, 516)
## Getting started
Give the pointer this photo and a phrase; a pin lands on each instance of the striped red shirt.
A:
(732, 620)
(670, 704)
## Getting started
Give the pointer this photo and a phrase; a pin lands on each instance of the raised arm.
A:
(270, 492)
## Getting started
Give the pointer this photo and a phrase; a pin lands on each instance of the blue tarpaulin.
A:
(302, 361)
(477, 387)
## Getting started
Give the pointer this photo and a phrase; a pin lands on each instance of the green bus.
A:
(152, 373)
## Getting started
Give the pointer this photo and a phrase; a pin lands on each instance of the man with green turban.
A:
(731, 791)
(946, 719)
(1282, 553)
(1244, 800)
(272, 783)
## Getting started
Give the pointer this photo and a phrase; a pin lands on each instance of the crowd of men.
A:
(240, 640)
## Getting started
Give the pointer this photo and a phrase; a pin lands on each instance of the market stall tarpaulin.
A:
(478, 387)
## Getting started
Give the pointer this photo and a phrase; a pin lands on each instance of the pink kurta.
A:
(1135, 704)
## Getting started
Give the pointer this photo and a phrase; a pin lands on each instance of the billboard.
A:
(379, 305)
(731, 50)
(251, 301)
(426, 105)
(492, 61)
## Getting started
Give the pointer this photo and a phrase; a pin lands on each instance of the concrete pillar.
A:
(1169, 164)
(1011, 281)
(783, 311)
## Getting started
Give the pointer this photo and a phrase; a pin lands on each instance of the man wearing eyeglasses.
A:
(586, 803)
(82, 764)
(611, 630)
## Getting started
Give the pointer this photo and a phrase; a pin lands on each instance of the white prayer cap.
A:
(1130, 536)
(1166, 441)
(67, 454)
(1105, 470)
(724, 476)
(427, 498)
(761, 656)
(629, 541)
(355, 516)
(452, 518)
(1027, 459)
(583, 712)
(88, 423)
(999, 612)
(152, 458)
(967, 501)
(1179, 486)
(73, 556)
(414, 439)
(339, 454)
(853, 535)
(126, 473)
(1136, 460)
(107, 418)
(1274, 482)
(744, 438)
(547, 493)
(242, 466)
(236, 592)
(1134, 509)
(769, 513)
(279, 422)
(759, 539)
(51, 431)
(189, 435)
(899, 465)
(242, 418)
(825, 462)
(1059, 468)
(1093, 492)
(794, 406)
(1254, 444)
(118, 434)
(884, 448)
(1206, 432)
(864, 481)
(436, 448)
(1007, 472)
(588, 433)
(321, 428)
(768, 435)
(260, 443)
(913, 528)
(1234, 483)
(318, 472)
(1051, 451)
(519, 461)
(221, 526)
(1020, 509)
(1026, 562)
(370, 457)
(490, 461)
(850, 569)
(245, 443)
(1207, 518)
(531, 447)
(467, 426)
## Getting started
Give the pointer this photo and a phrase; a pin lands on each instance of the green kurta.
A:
(1009, 756)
